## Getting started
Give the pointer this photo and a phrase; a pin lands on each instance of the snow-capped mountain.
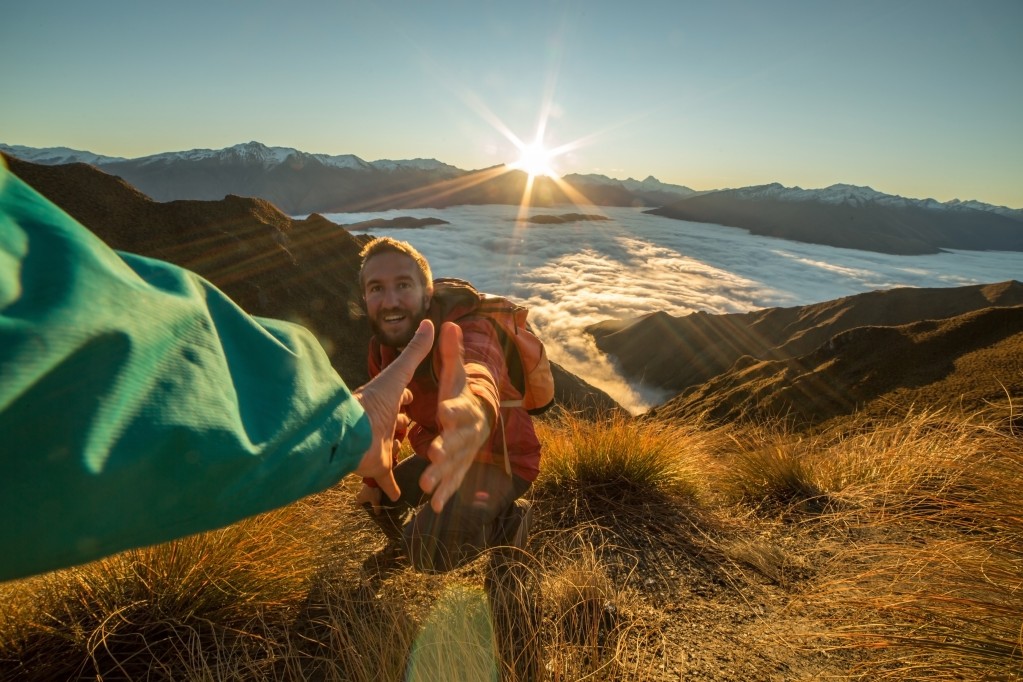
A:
(257, 153)
(856, 218)
(650, 184)
(420, 164)
(981, 206)
(297, 182)
(54, 156)
(249, 153)
(854, 195)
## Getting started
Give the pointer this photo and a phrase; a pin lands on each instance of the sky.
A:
(577, 274)
(922, 98)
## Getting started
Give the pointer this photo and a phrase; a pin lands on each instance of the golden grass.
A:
(623, 458)
(884, 550)
(943, 578)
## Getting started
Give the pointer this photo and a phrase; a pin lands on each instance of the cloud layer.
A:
(575, 274)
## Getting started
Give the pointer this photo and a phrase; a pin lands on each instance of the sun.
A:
(535, 159)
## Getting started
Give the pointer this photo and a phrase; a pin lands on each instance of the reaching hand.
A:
(382, 399)
(463, 421)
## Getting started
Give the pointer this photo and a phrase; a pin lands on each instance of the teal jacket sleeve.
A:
(139, 404)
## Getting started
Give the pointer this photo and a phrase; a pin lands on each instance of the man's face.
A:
(396, 299)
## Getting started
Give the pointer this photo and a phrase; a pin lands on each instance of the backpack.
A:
(528, 367)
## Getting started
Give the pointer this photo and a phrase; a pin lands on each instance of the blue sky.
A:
(919, 98)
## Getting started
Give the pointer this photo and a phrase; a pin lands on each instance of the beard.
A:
(397, 335)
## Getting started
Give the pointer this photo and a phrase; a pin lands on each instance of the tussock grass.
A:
(173, 607)
(590, 617)
(775, 471)
(621, 469)
(944, 581)
(882, 550)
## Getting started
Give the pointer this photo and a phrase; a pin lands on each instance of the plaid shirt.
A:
(487, 376)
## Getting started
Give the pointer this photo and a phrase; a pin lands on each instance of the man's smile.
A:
(394, 316)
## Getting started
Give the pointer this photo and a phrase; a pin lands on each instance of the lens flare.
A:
(535, 160)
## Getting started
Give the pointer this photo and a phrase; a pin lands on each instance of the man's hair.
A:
(387, 244)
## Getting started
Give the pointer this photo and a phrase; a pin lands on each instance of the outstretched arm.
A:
(139, 404)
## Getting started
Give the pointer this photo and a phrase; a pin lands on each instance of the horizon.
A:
(914, 99)
(473, 170)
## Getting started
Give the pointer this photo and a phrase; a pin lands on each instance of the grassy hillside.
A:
(881, 551)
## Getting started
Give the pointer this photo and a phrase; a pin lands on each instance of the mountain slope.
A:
(823, 360)
(971, 360)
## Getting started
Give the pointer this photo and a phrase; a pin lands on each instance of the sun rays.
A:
(535, 161)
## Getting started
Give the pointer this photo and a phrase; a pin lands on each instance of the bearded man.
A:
(439, 527)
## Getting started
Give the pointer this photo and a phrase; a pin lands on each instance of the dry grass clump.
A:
(773, 469)
(943, 584)
(638, 491)
(590, 615)
(210, 602)
(913, 465)
(617, 465)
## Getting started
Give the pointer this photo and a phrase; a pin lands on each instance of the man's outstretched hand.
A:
(382, 398)
(463, 421)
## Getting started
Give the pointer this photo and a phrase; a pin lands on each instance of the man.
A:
(139, 404)
(484, 509)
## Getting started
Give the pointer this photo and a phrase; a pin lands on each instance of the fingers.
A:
(371, 496)
(401, 424)
(443, 481)
(452, 363)
(462, 420)
(382, 399)
(406, 363)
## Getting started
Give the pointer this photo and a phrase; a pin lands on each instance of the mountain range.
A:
(854, 217)
(300, 183)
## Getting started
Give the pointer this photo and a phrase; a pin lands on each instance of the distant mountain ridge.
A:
(298, 182)
(249, 152)
(853, 217)
(855, 195)
(301, 183)
(268, 157)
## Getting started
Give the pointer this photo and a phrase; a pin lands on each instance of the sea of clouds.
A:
(572, 275)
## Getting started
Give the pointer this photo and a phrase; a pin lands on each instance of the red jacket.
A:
(487, 375)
